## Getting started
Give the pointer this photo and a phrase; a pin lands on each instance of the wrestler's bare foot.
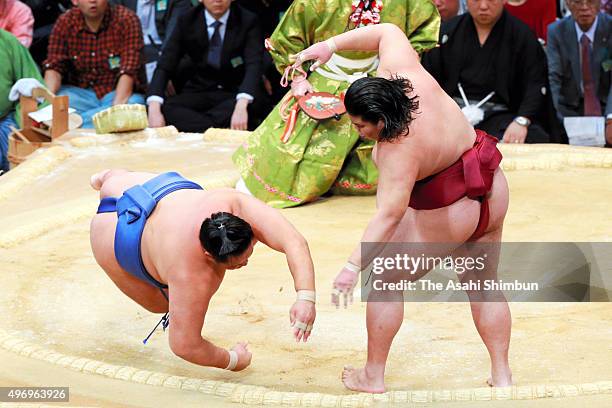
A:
(500, 380)
(97, 179)
(358, 380)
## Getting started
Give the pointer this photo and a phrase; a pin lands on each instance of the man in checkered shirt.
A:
(95, 57)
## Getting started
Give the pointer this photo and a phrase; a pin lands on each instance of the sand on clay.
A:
(56, 296)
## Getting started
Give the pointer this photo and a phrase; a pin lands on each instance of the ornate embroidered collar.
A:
(365, 12)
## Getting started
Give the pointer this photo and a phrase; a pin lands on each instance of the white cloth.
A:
(155, 98)
(308, 295)
(333, 69)
(585, 130)
(233, 360)
(24, 87)
(241, 186)
(46, 114)
(473, 114)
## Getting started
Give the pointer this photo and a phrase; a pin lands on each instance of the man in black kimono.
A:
(489, 53)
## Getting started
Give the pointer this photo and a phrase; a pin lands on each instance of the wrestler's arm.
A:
(394, 50)
(189, 300)
(275, 231)
(395, 183)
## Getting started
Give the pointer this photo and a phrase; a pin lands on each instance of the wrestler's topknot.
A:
(224, 235)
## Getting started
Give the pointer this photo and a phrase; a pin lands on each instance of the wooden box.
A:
(25, 141)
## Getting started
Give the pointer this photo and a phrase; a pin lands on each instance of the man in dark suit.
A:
(488, 51)
(224, 46)
(269, 13)
(157, 18)
(580, 63)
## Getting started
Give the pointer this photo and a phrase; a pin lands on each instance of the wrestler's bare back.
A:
(173, 255)
(170, 238)
(439, 133)
(438, 136)
(170, 247)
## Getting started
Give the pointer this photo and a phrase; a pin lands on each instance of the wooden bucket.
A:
(25, 141)
(20, 149)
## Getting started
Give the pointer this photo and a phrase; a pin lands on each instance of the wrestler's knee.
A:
(390, 285)
(485, 296)
(384, 292)
(155, 307)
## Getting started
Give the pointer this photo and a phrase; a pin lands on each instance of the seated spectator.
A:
(537, 14)
(448, 8)
(269, 14)
(17, 19)
(225, 48)
(46, 13)
(580, 62)
(157, 18)
(493, 56)
(16, 64)
(94, 57)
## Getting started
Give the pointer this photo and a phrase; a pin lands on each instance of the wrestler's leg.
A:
(490, 310)
(383, 320)
(113, 182)
(97, 179)
(102, 237)
(385, 309)
(491, 316)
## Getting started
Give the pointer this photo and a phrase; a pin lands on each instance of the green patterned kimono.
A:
(327, 154)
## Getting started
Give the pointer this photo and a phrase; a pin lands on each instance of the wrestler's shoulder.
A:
(197, 278)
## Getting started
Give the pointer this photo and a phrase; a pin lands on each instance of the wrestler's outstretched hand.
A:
(344, 284)
(320, 52)
(302, 316)
(244, 355)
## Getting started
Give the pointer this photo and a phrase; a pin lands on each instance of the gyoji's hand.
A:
(302, 316)
(344, 284)
(301, 87)
(320, 52)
